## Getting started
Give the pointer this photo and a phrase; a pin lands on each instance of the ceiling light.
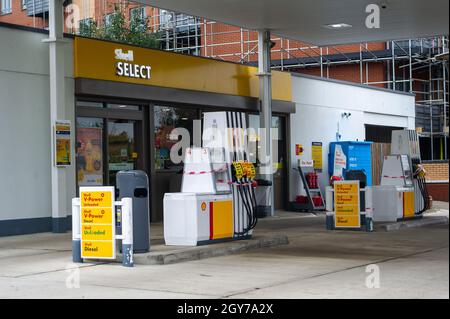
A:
(335, 26)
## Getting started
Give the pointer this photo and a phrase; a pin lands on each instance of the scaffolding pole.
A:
(444, 75)
(430, 96)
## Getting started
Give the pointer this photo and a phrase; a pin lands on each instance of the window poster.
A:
(317, 155)
(62, 144)
(89, 156)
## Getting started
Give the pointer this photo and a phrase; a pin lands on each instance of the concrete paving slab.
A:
(426, 221)
(11, 253)
(47, 241)
(438, 215)
(163, 255)
(235, 274)
(315, 264)
(227, 275)
(26, 289)
(395, 276)
(26, 265)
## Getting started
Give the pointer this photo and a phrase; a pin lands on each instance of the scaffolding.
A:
(417, 66)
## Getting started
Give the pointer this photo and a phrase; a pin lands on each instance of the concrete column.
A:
(57, 106)
(265, 95)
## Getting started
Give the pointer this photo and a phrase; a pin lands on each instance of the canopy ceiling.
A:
(306, 20)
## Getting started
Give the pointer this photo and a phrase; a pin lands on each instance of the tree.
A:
(117, 28)
(138, 33)
(88, 28)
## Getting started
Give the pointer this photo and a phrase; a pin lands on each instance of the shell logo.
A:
(203, 206)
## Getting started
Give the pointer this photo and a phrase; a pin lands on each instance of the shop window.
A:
(166, 120)
(24, 4)
(89, 151)
(5, 7)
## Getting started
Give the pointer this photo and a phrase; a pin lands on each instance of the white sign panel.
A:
(340, 161)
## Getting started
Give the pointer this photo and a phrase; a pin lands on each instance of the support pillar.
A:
(57, 106)
(265, 96)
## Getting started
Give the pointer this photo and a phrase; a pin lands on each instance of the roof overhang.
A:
(306, 20)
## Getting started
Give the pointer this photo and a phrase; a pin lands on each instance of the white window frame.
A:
(5, 6)
(165, 19)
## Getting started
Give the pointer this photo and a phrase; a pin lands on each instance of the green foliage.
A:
(138, 34)
(88, 28)
(118, 29)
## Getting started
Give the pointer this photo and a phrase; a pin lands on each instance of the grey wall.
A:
(319, 105)
(25, 127)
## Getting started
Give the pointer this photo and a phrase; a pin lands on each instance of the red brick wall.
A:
(439, 192)
(20, 17)
(100, 9)
(437, 171)
(350, 72)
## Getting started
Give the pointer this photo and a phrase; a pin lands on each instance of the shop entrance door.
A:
(110, 138)
(123, 148)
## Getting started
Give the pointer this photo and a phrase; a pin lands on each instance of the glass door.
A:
(109, 138)
(122, 148)
(89, 151)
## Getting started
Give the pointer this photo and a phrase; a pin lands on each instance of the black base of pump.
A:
(263, 211)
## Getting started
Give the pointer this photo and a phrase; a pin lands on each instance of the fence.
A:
(379, 150)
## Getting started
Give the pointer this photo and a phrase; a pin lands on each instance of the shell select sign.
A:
(108, 61)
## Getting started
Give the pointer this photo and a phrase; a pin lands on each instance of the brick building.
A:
(400, 65)
(20, 12)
